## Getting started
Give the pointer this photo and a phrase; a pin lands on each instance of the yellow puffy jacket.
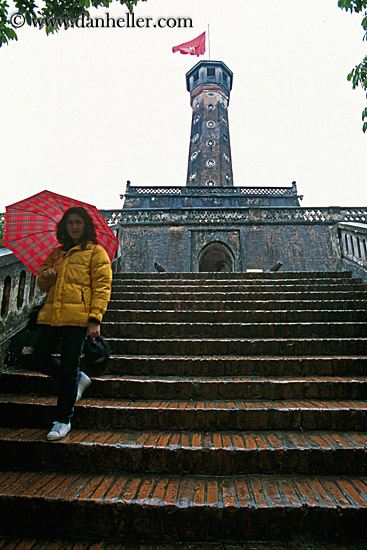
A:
(82, 288)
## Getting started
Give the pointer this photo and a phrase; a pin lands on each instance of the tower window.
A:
(210, 163)
(210, 124)
(210, 143)
(194, 155)
(196, 76)
(210, 107)
(210, 71)
(210, 183)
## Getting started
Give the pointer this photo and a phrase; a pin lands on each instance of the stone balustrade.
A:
(350, 245)
(260, 215)
(18, 294)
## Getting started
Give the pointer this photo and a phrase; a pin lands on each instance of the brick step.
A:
(238, 296)
(244, 316)
(170, 452)
(16, 543)
(239, 305)
(36, 411)
(234, 330)
(252, 286)
(234, 346)
(183, 508)
(229, 365)
(196, 387)
(236, 276)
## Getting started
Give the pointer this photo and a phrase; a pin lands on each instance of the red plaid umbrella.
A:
(30, 227)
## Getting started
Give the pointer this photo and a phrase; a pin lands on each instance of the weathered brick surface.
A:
(170, 452)
(234, 410)
(301, 247)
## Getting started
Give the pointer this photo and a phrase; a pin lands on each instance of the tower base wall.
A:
(179, 248)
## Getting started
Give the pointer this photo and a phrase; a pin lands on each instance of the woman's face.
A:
(75, 228)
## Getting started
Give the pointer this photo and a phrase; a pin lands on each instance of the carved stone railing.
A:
(350, 245)
(207, 216)
(210, 191)
(18, 293)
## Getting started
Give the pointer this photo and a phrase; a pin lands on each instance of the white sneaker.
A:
(83, 384)
(58, 431)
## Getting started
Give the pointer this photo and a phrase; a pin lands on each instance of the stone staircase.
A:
(234, 413)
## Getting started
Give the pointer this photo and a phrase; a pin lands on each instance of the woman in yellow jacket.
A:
(77, 276)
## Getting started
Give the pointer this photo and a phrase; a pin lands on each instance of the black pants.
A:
(66, 369)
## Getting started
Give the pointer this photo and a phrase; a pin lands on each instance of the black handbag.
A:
(32, 319)
(96, 355)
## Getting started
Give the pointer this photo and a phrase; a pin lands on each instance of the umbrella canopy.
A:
(30, 227)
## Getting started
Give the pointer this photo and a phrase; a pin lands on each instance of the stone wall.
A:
(298, 247)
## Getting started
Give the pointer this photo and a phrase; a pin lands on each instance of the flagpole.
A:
(209, 40)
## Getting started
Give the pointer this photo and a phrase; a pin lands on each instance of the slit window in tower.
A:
(210, 71)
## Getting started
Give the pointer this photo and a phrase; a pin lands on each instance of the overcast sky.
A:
(84, 110)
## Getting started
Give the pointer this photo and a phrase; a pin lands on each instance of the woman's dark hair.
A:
(89, 234)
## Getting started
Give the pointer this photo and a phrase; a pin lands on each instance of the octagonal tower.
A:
(210, 162)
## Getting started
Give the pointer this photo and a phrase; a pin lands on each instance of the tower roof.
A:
(209, 72)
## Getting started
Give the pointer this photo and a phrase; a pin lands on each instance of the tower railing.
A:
(244, 215)
(207, 190)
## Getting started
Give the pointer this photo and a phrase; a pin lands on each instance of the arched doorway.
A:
(217, 257)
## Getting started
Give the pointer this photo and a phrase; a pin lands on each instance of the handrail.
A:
(353, 243)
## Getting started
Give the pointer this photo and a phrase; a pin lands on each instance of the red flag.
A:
(194, 47)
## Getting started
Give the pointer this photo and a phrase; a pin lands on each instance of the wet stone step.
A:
(252, 286)
(36, 411)
(234, 330)
(230, 305)
(148, 387)
(16, 543)
(239, 296)
(279, 275)
(235, 346)
(214, 453)
(183, 508)
(227, 365)
(244, 316)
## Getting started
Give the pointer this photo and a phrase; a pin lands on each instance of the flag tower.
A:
(210, 162)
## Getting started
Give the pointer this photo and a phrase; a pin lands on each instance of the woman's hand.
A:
(93, 330)
(50, 275)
